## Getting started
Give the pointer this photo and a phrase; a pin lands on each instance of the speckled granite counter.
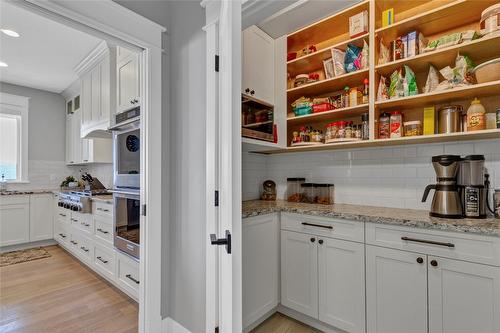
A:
(25, 192)
(394, 216)
(103, 198)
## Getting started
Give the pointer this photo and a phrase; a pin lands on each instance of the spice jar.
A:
(476, 116)
(341, 131)
(413, 128)
(365, 127)
(348, 130)
(324, 194)
(294, 192)
(309, 192)
(384, 126)
(396, 121)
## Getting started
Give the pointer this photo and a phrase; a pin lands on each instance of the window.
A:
(13, 138)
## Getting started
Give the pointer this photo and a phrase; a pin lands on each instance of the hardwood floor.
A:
(279, 323)
(58, 294)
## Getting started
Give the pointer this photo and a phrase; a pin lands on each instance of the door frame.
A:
(108, 20)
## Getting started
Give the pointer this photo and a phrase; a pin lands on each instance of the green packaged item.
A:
(396, 85)
(410, 83)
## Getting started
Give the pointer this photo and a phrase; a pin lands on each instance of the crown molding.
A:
(92, 58)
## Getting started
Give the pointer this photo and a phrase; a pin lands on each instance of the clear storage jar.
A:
(294, 191)
(324, 194)
(413, 128)
(309, 192)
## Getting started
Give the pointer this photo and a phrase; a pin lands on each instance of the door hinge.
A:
(217, 329)
(222, 241)
(143, 213)
(216, 199)
(217, 63)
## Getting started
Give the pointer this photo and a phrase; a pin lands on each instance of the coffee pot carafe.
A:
(446, 202)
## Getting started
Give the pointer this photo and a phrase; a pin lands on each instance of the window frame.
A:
(18, 106)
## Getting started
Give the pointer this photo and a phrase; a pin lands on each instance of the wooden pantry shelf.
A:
(443, 18)
(257, 124)
(450, 95)
(322, 87)
(314, 61)
(480, 49)
(332, 114)
(422, 139)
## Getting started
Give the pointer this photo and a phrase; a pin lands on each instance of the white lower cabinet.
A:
(260, 266)
(396, 291)
(127, 274)
(105, 260)
(41, 219)
(464, 297)
(14, 220)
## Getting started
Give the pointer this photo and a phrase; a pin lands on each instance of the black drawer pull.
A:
(84, 249)
(102, 260)
(63, 215)
(62, 235)
(317, 225)
(103, 231)
(128, 276)
(416, 240)
(73, 242)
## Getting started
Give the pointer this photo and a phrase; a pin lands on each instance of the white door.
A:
(299, 272)
(128, 82)
(41, 218)
(463, 297)
(14, 224)
(223, 142)
(341, 275)
(396, 291)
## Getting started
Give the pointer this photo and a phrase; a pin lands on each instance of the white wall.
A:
(388, 177)
(254, 173)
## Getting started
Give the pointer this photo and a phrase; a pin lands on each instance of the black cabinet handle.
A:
(313, 240)
(420, 260)
(416, 240)
(84, 249)
(63, 215)
(62, 235)
(136, 100)
(320, 241)
(103, 231)
(102, 260)
(73, 242)
(128, 276)
(317, 225)
(434, 263)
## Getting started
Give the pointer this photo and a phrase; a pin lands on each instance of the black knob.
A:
(247, 90)
(420, 260)
(131, 102)
(434, 263)
(74, 208)
(136, 100)
(60, 204)
(313, 239)
(252, 92)
(320, 241)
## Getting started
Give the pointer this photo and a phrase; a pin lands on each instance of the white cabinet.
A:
(396, 291)
(127, 274)
(299, 272)
(41, 217)
(341, 276)
(14, 220)
(463, 297)
(260, 266)
(258, 65)
(127, 80)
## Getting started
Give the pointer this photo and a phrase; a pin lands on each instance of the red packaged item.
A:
(322, 107)
(314, 76)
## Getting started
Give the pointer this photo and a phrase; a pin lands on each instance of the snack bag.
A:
(351, 55)
(382, 93)
(384, 54)
(338, 61)
(365, 55)
(396, 88)
(410, 83)
(432, 81)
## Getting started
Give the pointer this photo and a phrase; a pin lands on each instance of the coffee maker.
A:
(474, 183)
(446, 202)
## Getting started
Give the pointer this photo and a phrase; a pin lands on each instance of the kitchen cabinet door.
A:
(464, 297)
(258, 65)
(86, 98)
(96, 94)
(341, 269)
(260, 265)
(128, 83)
(14, 220)
(41, 218)
(69, 139)
(77, 141)
(299, 272)
(396, 291)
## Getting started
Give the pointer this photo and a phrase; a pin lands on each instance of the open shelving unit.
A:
(432, 18)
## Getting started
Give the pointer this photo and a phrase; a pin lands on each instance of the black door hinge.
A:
(143, 210)
(216, 199)
(222, 241)
(217, 329)
(217, 63)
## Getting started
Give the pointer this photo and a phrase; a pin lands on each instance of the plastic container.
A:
(472, 170)
(324, 194)
(309, 192)
(294, 191)
(341, 133)
(476, 116)
(498, 118)
(413, 128)
(396, 121)
(491, 120)
(490, 19)
(384, 126)
(488, 71)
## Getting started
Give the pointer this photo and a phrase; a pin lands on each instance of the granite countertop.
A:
(25, 192)
(395, 216)
(103, 198)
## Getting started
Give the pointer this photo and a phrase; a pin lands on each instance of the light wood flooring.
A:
(279, 323)
(59, 294)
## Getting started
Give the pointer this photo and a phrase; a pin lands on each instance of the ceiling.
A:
(44, 56)
(281, 17)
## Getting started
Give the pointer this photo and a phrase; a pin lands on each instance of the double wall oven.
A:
(126, 175)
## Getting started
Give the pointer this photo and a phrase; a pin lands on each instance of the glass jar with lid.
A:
(294, 190)
(324, 194)
(342, 130)
(309, 192)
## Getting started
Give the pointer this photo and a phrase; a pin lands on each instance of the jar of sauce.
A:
(384, 126)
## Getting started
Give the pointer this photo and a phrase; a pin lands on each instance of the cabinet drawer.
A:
(454, 245)
(61, 235)
(127, 272)
(103, 230)
(63, 215)
(82, 247)
(104, 260)
(334, 228)
(103, 209)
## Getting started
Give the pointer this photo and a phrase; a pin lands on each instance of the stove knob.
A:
(75, 208)
(60, 204)
(66, 205)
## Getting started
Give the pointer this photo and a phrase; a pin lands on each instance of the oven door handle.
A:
(123, 125)
(124, 192)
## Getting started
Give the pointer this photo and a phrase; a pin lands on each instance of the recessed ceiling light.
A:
(10, 33)
(3, 64)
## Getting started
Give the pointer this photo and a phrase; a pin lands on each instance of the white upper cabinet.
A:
(258, 65)
(396, 291)
(127, 80)
(463, 297)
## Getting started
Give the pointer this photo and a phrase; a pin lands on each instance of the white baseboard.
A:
(25, 246)
(260, 320)
(171, 326)
(315, 323)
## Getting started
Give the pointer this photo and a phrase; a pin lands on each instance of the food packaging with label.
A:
(396, 121)
(476, 119)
